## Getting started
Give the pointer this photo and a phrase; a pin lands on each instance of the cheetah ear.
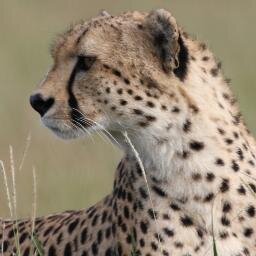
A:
(163, 30)
(104, 13)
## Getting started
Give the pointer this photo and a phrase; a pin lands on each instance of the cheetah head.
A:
(112, 73)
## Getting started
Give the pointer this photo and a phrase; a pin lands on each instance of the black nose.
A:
(39, 104)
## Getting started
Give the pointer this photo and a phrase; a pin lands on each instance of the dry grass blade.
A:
(2, 243)
(8, 194)
(37, 244)
(14, 201)
(28, 142)
(34, 199)
(14, 196)
(146, 181)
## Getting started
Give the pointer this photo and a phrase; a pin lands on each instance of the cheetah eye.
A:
(84, 63)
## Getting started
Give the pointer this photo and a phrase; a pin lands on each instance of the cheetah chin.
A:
(62, 130)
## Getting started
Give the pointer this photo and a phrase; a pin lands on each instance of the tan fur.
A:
(185, 125)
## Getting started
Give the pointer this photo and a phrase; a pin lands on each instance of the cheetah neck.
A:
(206, 151)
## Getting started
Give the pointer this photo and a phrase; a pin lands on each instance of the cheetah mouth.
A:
(67, 129)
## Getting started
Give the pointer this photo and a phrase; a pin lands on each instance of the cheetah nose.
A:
(39, 104)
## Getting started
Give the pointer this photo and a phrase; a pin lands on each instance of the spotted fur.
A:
(142, 74)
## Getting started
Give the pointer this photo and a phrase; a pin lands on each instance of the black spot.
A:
(140, 26)
(187, 126)
(12, 232)
(106, 66)
(175, 207)
(27, 251)
(196, 145)
(124, 227)
(95, 220)
(186, 221)
(143, 124)
(130, 91)
(129, 239)
(94, 249)
(123, 102)
(166, 216)
(67, 250)
(143, 193)
(246, 251)
(251, 211)
(109, 252)
(99, 236)
(223, 234)
(253, 187)
(226, 207)
(165, 253)
(72, 226)
(225, 221)
(150, 104)
(229, 141)
(209, 197)
(154, 246)
(221, 131)
(248, 232)
(185, 154)
(175, 110)
(153, 214)
(142, 242)
(205, 58)
(241, 190)
(224, 187)
(150, 118)
(59, 238)
(52, 251)
(159, 191)
(126, 212)
(138, 111)
(210, 176)
(235, 166)
(181, 70)
(163, 107)
(126, 81)
(214, 71)
(108, 232)
(23, 237)
(144, 227)
(47, 231)
(196, 176)
(120, 91)
(178, 244)
(200, 233)
(220, 162)
(116, 72)
(251, 163)
(104, 216)
(168, 232)
(240, 154)
(137, 97)
(83, 236)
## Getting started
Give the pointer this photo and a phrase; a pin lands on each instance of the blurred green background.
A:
(73, 175)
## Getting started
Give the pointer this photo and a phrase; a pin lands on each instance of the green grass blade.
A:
(37, 244)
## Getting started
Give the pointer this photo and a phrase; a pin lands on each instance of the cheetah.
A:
(161, 97)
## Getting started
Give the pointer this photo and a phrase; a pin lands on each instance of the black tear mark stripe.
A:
(76, 117)
(181, 70)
